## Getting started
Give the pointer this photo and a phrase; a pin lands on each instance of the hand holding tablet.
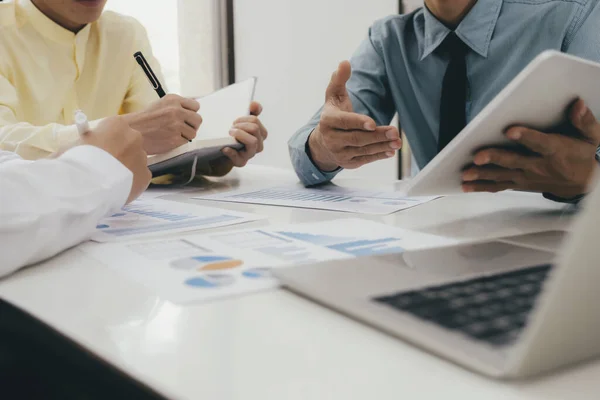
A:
(557, 164)
(539, 134)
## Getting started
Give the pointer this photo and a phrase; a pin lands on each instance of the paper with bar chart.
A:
(147, 217)
(326, 197)
(212, 266)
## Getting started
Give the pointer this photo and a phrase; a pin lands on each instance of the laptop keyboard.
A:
(491, 309)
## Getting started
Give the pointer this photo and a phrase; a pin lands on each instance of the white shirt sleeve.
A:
(47, 206)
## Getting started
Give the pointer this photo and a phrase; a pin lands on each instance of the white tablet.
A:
(537, 98)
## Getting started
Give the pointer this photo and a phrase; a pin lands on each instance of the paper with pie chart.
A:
(325, 197)
(209, 267)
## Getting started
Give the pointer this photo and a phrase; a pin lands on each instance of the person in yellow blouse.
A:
(60, 56)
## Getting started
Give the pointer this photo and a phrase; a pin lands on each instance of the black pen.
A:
(139, 57)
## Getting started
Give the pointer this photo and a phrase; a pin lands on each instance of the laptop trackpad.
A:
(475, 259)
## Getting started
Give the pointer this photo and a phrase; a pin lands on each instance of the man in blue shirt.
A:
(438, 67)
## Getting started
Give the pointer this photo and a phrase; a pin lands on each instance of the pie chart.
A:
(210, 281)
(207, 263)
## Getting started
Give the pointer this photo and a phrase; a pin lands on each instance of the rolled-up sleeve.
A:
(369, 92)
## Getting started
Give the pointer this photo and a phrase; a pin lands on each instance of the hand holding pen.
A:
(174, 113)
(169, 122)
(189, 104)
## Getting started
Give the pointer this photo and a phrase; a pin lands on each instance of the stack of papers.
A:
(219, 265)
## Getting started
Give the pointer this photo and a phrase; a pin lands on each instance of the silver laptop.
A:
(496, 308)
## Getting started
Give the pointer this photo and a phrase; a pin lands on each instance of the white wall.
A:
(410, 5)
(199, 26)
(293, 46)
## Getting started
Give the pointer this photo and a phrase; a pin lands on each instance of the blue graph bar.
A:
(158, 214)
(354, 246)
(188, 223)
(291, 196)
(369, 247)
(319, 240)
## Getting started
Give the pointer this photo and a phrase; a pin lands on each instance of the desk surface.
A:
(275, 345)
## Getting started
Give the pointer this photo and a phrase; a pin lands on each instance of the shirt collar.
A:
(47, 27)
(475, 30)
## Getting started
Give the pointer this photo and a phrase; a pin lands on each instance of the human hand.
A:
(249, 131)
(346, 139)
(561, 165)
(117, 138)
(168, 123)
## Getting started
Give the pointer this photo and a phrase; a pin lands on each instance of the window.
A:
(160, 20)
(187, 39)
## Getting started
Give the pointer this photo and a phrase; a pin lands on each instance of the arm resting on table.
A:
(48, 206)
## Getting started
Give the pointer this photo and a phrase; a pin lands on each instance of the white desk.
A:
(275, 345)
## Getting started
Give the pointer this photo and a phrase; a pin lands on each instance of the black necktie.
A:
(453, 114)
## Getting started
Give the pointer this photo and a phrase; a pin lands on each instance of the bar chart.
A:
(328, 197)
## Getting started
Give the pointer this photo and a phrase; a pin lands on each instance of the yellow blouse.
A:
(48, 72)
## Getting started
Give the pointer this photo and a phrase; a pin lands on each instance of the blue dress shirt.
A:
(397, 69)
